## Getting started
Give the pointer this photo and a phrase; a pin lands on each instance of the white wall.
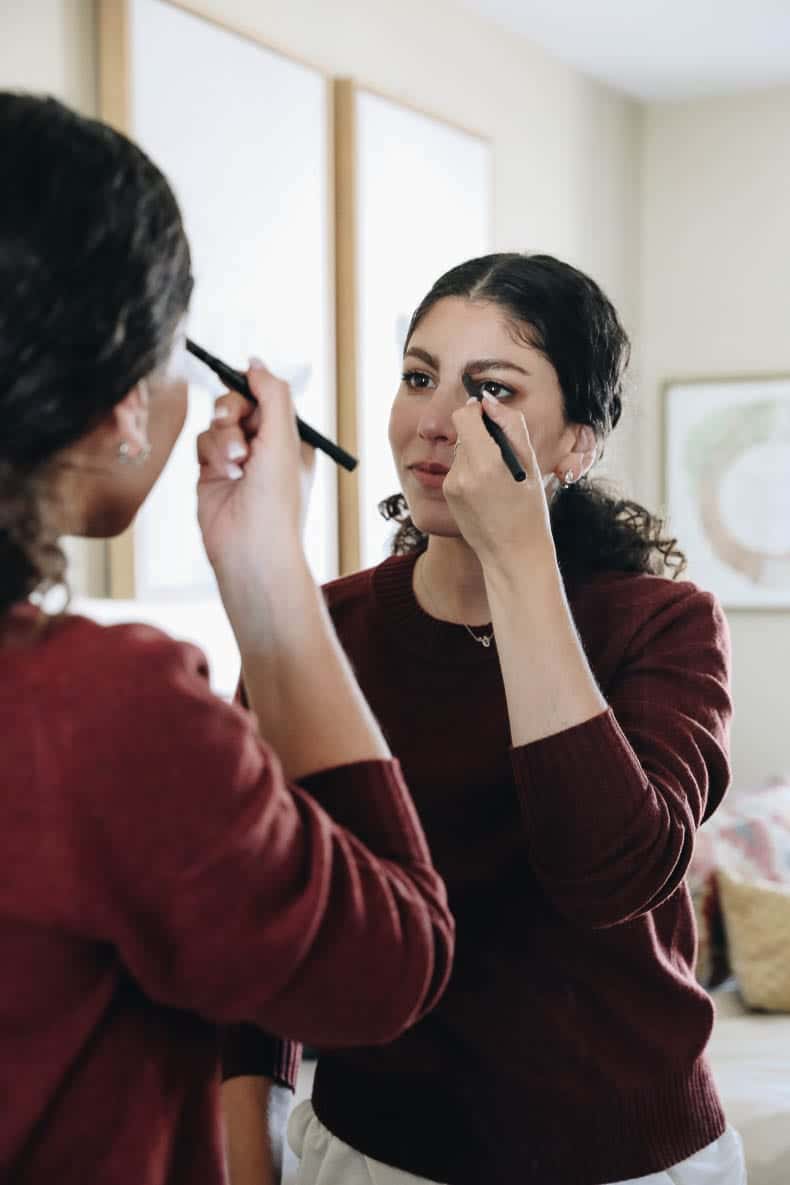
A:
(715, 300)
(49, 46)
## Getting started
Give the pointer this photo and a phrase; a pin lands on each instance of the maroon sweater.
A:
(569, 1046)
(158, 877)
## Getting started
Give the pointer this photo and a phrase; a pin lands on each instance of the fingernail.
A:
(221, 413)
(472, 400)
(255, 362)
(234, 472)
(489, 399)
(236, 451)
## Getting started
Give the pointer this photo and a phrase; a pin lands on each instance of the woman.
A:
(160, 875)
(561, 712)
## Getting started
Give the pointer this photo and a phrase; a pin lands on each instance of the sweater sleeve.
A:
(611, 807)
(248, 1051)
(228, 892)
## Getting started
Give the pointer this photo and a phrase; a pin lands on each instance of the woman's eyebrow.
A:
(423, 355)
(477, 366)
(481, 364)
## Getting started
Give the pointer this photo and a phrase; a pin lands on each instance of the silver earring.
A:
(125, 453)
(568, 479)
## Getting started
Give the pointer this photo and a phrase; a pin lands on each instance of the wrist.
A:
(523, 577)
(269, 601)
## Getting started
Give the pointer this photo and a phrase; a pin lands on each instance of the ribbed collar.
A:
(410, 628)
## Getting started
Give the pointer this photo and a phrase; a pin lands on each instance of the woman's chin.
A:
(435, 520)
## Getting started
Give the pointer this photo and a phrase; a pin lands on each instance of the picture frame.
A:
(726, 472)
(256, 195)
(413, 198)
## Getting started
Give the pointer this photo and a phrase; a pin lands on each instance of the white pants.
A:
(325, 1160)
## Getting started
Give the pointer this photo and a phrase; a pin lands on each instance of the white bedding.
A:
(750, 1055)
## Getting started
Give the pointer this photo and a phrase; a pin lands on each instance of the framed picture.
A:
(244, 135)
(727, 485)
(413, 198)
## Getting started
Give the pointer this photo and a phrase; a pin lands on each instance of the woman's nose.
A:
(436, 423)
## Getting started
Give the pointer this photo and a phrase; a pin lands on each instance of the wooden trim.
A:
(115, 108)
(114, 64)
(346, 298)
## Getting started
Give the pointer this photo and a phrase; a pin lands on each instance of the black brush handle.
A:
(496, 433)
(237, 381)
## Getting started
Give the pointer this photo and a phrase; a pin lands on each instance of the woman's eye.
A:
(498, 390)
(417, 380)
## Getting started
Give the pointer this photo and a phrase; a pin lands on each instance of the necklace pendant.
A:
(485, 640)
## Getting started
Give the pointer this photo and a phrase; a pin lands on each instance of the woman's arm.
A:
(535, 633)
(611, 807)
(612, 792)
(228, 892)
(254, 1119)
(249, 1151)
(298, 681)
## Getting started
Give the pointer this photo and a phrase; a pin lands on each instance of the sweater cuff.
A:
(553, 775)
(370, 799)
(247, 1051)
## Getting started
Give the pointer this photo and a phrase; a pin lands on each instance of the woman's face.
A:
(457, 337)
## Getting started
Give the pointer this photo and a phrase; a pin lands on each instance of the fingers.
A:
(469, 426)
(231, 408)
(220, 459)
(223, 448)
(274, 396)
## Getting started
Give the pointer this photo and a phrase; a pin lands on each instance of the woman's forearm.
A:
(298, 681)
(249, 1153)
(548, 682)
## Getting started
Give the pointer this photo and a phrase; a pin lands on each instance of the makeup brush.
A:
(475, 391)
(237, 381)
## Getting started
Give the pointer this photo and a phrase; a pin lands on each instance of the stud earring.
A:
(568, 479)
(125, 453)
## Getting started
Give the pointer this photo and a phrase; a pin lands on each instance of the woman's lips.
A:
(430, 474)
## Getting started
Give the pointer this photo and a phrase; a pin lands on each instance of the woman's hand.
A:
(502, 520)
(254, 476)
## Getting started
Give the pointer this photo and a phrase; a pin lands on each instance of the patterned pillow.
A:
(749, 836)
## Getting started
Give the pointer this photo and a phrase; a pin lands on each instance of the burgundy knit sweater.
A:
(158, 877)
(569, 1046)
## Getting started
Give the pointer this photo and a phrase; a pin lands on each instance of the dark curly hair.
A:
(564, 314)
(95, 276)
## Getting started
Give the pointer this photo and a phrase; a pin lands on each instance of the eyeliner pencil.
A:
(475, 390)
(238, 382)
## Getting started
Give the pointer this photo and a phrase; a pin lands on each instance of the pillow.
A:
(757, 921)
(750, 836)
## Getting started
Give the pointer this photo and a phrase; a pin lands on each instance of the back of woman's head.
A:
(558, 310)
(94, 279)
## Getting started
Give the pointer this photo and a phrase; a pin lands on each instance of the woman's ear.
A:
(580, 457)
(130, 422)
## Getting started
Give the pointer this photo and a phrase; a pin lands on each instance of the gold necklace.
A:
(485, 640)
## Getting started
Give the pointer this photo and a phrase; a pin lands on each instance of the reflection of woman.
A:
(159, 875)
(560, 770)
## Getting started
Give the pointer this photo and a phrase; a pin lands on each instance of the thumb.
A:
(514, 425)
